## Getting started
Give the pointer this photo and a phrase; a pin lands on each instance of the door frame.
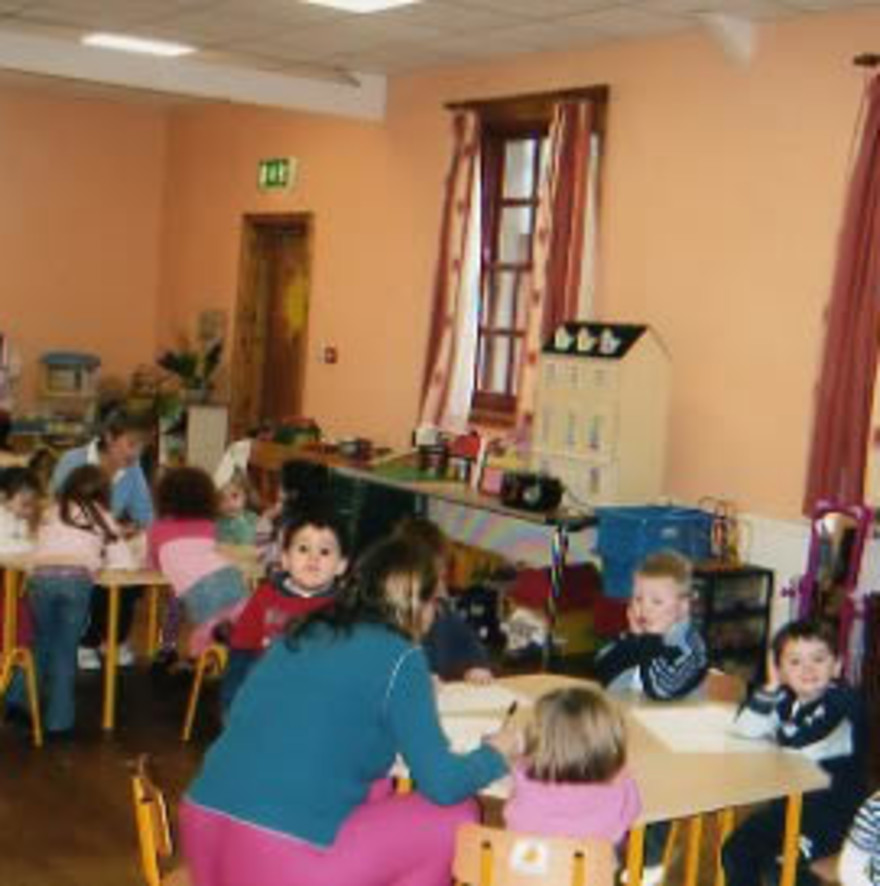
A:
(251, 225)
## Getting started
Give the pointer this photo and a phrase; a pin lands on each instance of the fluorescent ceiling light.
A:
(126, 43)
(363, 5)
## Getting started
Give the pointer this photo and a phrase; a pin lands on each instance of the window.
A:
(514, 158)
(513, 163)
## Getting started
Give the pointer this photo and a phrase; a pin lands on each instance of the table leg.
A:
(790, 845)
(558, 556)
(635, 856)
(152, 620)
(692, 860)
(725, 822)
(10, 608)
(110, 656)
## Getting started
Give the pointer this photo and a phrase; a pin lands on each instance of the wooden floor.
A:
(65, 810)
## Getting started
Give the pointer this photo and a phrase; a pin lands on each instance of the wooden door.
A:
(271, 321)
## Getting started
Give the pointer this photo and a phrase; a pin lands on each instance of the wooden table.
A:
(676, 785)
(116, 581)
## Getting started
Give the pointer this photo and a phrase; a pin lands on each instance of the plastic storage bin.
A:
(627, 535)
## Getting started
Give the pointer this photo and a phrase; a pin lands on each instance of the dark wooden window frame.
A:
(504, 120)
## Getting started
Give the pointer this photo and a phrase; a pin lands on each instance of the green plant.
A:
(194, 367)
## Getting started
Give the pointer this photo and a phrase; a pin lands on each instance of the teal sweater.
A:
(313, 727)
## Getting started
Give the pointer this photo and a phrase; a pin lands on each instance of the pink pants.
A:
(390, 840)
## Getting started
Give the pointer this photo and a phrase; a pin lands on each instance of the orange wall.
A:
(80, 215)
(721, 199)
(346, 182)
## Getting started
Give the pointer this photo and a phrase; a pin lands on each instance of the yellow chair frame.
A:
(491, 857)
(154, 834)
(20, 658)
(211, 663)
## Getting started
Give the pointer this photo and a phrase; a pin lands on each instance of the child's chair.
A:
(15, 657)
(154, 834)
(492, 857)
(21, 659)
(211, 663)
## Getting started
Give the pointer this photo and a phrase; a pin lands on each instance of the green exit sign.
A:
(276, 174)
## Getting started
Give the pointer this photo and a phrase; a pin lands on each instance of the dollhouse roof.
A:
(607, 341)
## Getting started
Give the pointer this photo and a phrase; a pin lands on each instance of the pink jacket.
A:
(185, 551)
(601, 811)
(60, 544)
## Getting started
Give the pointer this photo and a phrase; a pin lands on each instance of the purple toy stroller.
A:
(828, 587)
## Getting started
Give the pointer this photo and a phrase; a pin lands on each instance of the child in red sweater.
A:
(313, 558)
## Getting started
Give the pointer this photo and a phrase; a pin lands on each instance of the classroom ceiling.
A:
(297, 38)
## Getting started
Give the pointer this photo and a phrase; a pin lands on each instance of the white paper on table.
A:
(461, 698)
(465, 734)
(700, 729)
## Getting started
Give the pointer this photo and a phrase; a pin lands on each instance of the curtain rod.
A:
(599, 93)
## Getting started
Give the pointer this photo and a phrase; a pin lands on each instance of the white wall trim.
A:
(364, 98)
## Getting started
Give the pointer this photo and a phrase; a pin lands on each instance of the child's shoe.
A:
(87, 659)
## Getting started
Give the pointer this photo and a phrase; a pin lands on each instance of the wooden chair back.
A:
(492, 857)
(154, 833)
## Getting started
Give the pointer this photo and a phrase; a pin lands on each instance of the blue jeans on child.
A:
(60, 606)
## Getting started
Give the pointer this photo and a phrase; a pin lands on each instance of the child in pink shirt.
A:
(79, 538)
(571, 782)
(183, 545)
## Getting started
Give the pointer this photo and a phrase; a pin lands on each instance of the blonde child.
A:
(662, 655)
(860, 858)
(79, 538)
(236, 523)
(182, 544)
(19, 509)
(453, 649)
(803, 706)
(571, 781)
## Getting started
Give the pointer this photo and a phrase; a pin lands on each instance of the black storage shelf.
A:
(715, 613)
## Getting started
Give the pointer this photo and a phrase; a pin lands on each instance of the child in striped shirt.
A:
(860, 859)
(662, 656)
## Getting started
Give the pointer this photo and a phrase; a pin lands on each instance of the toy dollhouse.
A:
(601, 412)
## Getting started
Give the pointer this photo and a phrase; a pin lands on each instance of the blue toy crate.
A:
(627, 535)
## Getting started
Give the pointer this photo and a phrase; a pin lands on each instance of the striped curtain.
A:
(560, 237)
(448, 382)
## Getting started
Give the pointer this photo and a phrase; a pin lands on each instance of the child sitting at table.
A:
(237, 523)
(662, 655)
(182, 544)
(453, 649)
(313, 559)
(304, 487)
(571, 781)
(860, 859)
(803, 706)
(19, 509)
(79, 538)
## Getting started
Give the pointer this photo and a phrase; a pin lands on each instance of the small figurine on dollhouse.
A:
(601, 410)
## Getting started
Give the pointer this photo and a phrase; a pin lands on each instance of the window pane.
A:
(519, 168)
(505, 288)
(514, 236)
(501, 356)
